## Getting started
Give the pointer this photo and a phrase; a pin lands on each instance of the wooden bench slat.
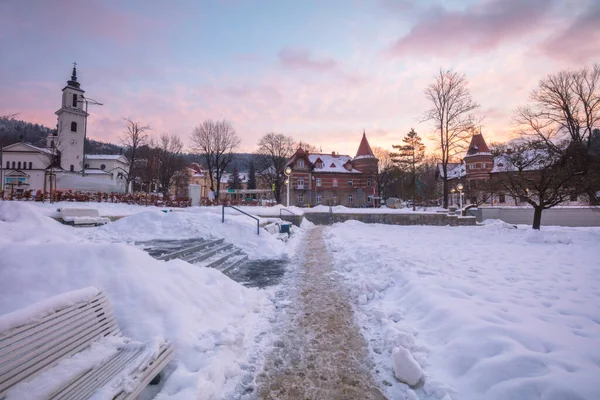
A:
(19, 352)
(45, 360)
(17, 330)
(92, 380)
(47, 329)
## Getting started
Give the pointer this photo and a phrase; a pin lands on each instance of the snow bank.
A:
(488, 312)
(211, 319)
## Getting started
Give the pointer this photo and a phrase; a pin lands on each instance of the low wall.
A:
(561, 216)
(391, 219)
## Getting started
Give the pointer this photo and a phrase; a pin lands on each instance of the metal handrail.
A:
(245, 213)
(285, 209)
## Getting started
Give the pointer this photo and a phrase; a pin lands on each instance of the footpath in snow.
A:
(320, 353)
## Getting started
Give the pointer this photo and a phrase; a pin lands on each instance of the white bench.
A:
(40, 353)
(82, 216)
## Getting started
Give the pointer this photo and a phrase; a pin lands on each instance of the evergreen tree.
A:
(251, 176)
(411, 154)
(234, 182)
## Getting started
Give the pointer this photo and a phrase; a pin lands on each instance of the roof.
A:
(478, 146)
(32, 147)
(364, 150)
(103, 156)
(332, 163)
(533, 160)
(455, 170)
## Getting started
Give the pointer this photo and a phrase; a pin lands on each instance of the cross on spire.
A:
(74, 64)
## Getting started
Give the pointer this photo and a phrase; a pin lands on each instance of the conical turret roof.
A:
(364, 150)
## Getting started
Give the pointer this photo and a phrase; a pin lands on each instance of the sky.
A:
(321, 71)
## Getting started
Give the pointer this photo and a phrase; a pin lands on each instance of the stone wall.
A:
(440, 219)
(561, 216)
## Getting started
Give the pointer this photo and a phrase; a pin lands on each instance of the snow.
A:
(332, 163)
(211, 320)
(406, 368)
(489, 312)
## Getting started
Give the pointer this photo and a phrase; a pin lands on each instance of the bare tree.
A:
(451, 117)
(386, 173)
(274, 150)
(410, 155)
(535, 174)
(566, 107)
(135, 136)
(215, 142)
(307, 147)
(170, 160)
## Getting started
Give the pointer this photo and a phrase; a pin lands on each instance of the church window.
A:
(300, 164)
(19, 165)
(8, 165)
(73, 126)
(30, 164)
(74, 100)
(13, 165)
(72, 168)
(104, 167)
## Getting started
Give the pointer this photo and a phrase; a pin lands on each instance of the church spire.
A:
(73, 82)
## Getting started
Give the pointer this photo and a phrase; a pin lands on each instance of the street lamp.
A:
(288, 172)
(460, 188)
(87, 101)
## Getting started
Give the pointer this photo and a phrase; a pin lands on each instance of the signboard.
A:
(230, 190)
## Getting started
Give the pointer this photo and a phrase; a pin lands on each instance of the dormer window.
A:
(73, 126)
(300, 163)
(319, 165)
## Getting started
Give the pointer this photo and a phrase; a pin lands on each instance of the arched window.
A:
(8, 165)
(74, 100)
(13, 165)
(72, 168)
(30, 164)
(73, 126)
(19, 165)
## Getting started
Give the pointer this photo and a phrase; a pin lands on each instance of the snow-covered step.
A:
(189, 250)
(217, 261)
(196, 258)
(233, 262)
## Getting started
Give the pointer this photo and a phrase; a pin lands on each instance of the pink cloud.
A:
(301, 59)
(479, 28)
(580, 41)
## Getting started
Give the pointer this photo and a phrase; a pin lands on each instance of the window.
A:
(73, 126)
(573, 197)
(103, 167)
(350, 199)
(7, 164)
(30, 164)
(350, 182)
(319, 198)
(502, 198)
(368, 182)
(72, 168)
(19, 165)
(300, 163)
(318, 181)
(300, 183)
(301, 198)
(319, 165)
(484, 165)
(74, 100)
(13, 165)
(369, 199)
(335, 182)
(335, 199)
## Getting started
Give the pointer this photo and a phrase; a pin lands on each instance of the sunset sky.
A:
(320, 71)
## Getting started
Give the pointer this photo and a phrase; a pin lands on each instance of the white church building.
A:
(62, 162)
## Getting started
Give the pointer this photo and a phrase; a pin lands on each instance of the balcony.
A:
(299, 187)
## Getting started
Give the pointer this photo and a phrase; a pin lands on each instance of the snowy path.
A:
(320, 353)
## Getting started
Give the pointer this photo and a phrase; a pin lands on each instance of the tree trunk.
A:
(414, 176)
(537, 217)
(445, 205)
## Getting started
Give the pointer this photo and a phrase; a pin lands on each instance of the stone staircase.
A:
(210, 253)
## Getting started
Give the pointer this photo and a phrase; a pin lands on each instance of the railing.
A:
(245, 213)
(286, 210)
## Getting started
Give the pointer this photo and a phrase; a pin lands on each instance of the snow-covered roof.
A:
(103, 156)
(332, 163)
(455, 170)
(96, 172)
(532, 159)
(30, 146)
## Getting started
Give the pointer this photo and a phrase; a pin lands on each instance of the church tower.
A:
(71, 125)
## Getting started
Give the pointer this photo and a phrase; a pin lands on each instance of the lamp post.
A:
(452, 198)
(288, 172)
(460, 188)
(86, 101)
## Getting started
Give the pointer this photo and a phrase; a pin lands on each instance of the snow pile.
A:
(488, 312)
(211, 319)
(406, 368)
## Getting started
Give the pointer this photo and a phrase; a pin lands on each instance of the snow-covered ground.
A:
(489, 312)
(212, 320)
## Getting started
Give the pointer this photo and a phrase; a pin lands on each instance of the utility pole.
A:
(87, 101)
(2, 167)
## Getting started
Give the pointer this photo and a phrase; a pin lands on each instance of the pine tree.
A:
(251, 176)
(410, 155)
(234, 182)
